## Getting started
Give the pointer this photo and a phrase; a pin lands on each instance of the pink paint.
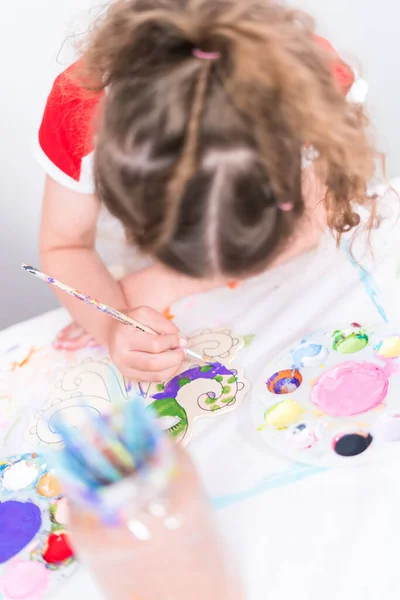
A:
(350, 388)
(25, 580)
(391, 365)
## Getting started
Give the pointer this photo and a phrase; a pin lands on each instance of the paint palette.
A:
(35, 554)
(333, 398)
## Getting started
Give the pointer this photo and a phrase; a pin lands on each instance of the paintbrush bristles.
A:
(108, 449)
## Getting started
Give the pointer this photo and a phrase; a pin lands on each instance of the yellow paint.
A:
(313, 381)
(283, 414)
(319, 413)
(390, 348)
(48, 486)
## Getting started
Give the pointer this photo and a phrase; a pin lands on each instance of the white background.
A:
(32, 35)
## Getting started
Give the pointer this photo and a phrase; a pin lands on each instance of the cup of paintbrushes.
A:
(139, 518)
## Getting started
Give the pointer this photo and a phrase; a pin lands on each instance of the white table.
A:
(296, 531)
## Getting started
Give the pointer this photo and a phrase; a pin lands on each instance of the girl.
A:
(192, 118)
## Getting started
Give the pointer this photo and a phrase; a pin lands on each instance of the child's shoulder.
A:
(65, 140)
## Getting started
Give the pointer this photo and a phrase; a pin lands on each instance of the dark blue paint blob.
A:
(352, 444)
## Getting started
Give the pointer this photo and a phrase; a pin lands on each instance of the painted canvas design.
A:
(199, 391)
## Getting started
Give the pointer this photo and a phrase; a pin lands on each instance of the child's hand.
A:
(74, 337)
(142, 356)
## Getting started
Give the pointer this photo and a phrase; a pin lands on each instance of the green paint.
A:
(228, 400)
(206, 368)
(54, 525)
(248, 339)
(219, 378)
(160, 387)
(169, 407)
(226, 389)
(214, 408)
(184, 381)
(211, 400)
(350, 344)
(232, 379)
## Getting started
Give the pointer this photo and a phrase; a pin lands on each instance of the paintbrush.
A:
(110, 455)
(104, 308)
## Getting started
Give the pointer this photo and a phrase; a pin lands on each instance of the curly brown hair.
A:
(195, 157)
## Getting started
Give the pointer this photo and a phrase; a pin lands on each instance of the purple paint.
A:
(20, 522)
(13, 348)
(208, 372)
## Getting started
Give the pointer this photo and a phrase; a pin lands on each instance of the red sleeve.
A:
(66, 132)
(342, 73)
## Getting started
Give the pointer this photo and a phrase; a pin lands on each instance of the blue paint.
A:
(13, 348)
(305, 352)
(366, 279)
(292, 475)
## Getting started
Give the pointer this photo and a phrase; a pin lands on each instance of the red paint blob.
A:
(58, 549)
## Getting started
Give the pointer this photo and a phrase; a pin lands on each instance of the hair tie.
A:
(197, 53)
(285, 206)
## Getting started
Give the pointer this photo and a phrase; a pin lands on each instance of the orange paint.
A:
(25, 361)
(48, 486)
(232, 285)
(168, 314)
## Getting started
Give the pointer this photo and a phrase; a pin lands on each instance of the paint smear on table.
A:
(366, 279)
(18, 365)
(248, 339)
